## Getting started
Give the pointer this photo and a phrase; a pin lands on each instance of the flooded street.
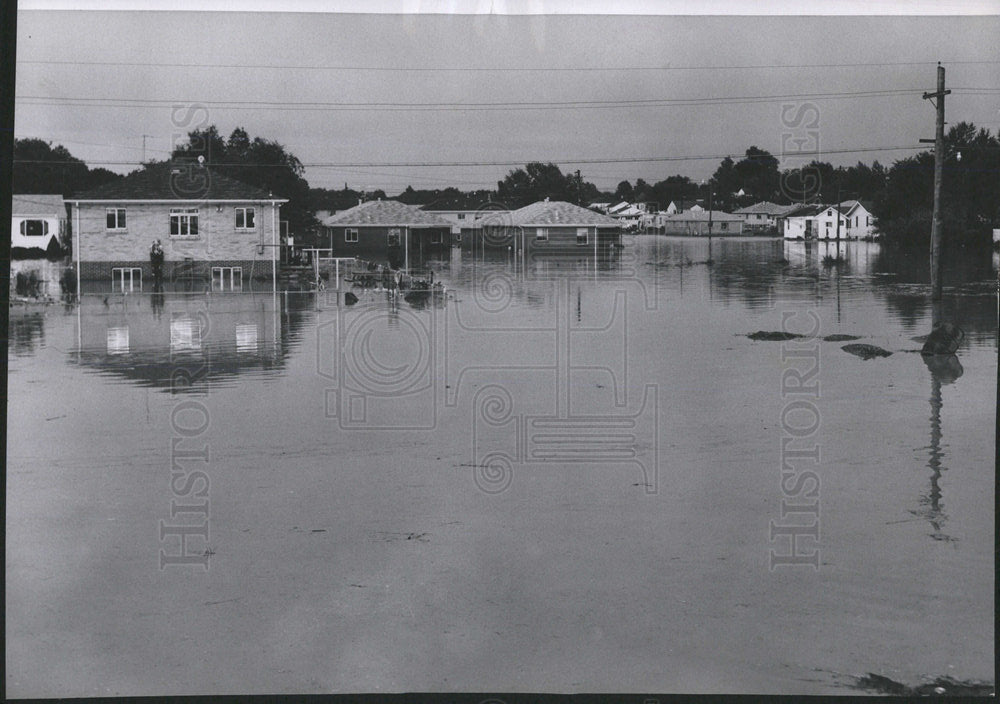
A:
(558, 476)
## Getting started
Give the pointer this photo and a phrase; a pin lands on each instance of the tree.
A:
(625, 191)
(757, 174)
(41, 168)
(538, 181)
(259, 162)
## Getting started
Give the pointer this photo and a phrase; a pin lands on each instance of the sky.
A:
(390, 100)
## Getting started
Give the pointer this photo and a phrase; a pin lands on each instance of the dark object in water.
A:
(28, 285)
(837, 337)
(940, 686)
(866, 351)
(350, 299)
(773, 336)
(944, 339)
(782, 261)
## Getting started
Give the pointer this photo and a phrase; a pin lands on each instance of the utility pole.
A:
(936, 267)
(838, 211)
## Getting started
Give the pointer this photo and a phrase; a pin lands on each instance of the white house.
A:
(37, 221)
(763, 215)
(860, 221)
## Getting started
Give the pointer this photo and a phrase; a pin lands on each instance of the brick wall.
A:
(174, 271)
(217, 240)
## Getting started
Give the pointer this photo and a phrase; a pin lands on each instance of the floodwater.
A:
(559, 476)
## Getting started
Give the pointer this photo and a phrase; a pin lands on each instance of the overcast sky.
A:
(297, 78)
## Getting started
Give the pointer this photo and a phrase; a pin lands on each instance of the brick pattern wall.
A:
(218, 238)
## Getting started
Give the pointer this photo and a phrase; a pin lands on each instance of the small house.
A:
(462, 212)
(210, 226)
(549, 227)
(859, 218)
(699, 223)
(388, 231)
(37, 222)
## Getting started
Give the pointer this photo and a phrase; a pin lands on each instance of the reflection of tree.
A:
(944, 369)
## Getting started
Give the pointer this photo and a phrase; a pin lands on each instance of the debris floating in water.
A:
(866, 351)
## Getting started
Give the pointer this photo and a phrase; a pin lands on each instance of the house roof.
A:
(848, 205)
(386, 212)
(766, 207)
(555, 212)
(181, 181)
(38, 205)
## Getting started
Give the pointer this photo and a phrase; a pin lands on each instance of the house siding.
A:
(373, 243)
(561, 239)
(218, 242)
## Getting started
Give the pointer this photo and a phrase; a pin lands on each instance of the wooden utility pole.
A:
(936, 268)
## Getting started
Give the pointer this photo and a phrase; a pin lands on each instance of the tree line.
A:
(901, 196)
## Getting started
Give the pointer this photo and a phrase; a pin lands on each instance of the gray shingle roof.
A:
(176, 181)
(556, 212)
(386, 212)
(38, 205)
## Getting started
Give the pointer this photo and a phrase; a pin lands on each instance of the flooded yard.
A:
(558, 476)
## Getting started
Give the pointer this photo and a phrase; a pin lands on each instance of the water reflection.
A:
(146, 339)
(944, 369)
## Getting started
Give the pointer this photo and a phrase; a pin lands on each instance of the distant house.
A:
(388, 231)
(696, 223)
(462, 212)
(549, 227)
(37, 221)
(763, 216)
(671, 209)
(820, 222)
(628, 214)
(210, 226)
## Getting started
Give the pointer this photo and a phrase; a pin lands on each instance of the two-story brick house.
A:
(210, 226)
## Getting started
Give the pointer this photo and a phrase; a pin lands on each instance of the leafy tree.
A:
(41, 168)
(259, 162)
(625, 192)
(538, 181)
(758, 174)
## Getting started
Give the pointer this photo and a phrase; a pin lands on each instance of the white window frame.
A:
(351, 234)
(248, 210)
(541, 234)
(185, 218)
(393, 232)
(24, 227)
(582, 232)
(121, 221)
(235, 278)
(118, 278)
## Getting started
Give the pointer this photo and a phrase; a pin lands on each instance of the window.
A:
(183, 222)
(435, 238)
(461, 216)
(867, 221)
(458, 237)
(581, 235)
(392, 239)
(115, 218)
(350, 234)
(126, 279)
(227, 278)
(542, 234)
(829, 213)
(34, 228)
(723, 225)
(245, 219)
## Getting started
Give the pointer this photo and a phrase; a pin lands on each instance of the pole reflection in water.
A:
(944, 369)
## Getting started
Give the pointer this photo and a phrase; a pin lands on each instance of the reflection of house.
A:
(549, 227)
(150, 339)
(37, 221)
(387, 230)
(696, 222)
(210, 226)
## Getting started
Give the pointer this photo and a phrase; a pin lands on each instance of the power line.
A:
(521, 162)
(455, 107)
(499, 69)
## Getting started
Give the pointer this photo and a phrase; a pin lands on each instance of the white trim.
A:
(179, 200)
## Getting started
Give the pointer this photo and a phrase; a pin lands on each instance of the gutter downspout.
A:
(76, 210)
(406, 248)
(274, 248)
